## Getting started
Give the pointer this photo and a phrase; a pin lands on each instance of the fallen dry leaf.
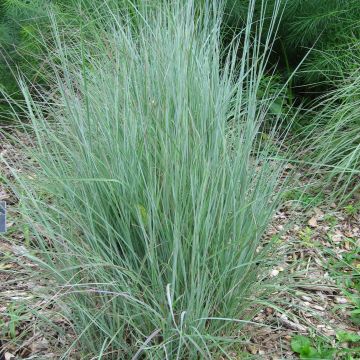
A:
(337, 237)
(9, 356)
(6, 266)
(313, 222)
(318, 212)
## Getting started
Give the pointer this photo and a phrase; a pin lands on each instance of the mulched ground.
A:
(315, 306)
(313, 240)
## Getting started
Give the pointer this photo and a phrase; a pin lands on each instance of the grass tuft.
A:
(153, 190)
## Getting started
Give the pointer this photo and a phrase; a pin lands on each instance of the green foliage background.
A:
(20, 23)
(25, 28)
(330, 27)
(321, 40)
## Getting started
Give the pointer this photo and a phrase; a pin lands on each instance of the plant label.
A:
(2, 216)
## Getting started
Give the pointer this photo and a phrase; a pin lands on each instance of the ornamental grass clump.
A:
(152, 189)
(333, 140)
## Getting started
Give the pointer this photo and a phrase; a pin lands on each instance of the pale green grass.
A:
(152, 192)
(333, 140)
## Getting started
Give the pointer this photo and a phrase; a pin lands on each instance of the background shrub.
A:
(25, 34)
(329, 27)
(322, 38)
(333, 138)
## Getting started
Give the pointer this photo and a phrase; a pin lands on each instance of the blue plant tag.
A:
(2, 216)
